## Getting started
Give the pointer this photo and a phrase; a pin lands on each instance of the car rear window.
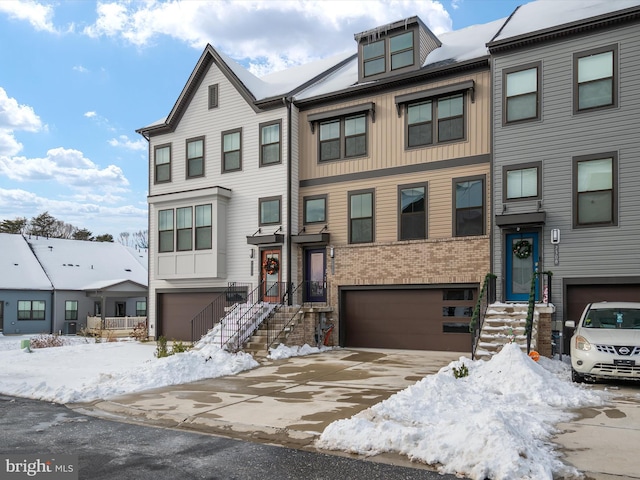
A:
(622, 318)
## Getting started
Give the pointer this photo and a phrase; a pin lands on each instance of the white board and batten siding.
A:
(246, 187)
(558, 137)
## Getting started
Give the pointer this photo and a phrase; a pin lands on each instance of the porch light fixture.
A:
(555, 236)
(331, 252)
(251, 253)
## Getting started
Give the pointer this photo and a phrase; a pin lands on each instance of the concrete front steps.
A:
(286, 315)
(505, 323)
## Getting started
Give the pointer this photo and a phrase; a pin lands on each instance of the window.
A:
(71, 310)
(521, 98)
(184, 228)
(343, 138)
(97, 309)
(468, 200)
(315, 209)
(449, 125)
(401, 50)
(165, 231)
(195, 157)
(413, 213)
(31, 309)
(213, 96)
(162, 156)
(373, 58)
(361, 216)
(269, 210)
(232, 150)
(522, 182)
(121, 309)
(270, 141)
(595, 82)
(141, 308)
(203, 227)
(595, 190)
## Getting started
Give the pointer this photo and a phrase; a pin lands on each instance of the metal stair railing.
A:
(546, 298)
(486, 296)
(217, 309)
(237, 328)
(276, 329)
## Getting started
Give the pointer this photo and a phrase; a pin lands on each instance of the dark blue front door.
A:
(521, 252)
(315, 281)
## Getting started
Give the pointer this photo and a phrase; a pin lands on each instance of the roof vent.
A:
(127, 269)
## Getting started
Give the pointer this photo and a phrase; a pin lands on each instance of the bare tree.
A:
(141, 239)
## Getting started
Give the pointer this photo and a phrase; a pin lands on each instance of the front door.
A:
(314, 275)
(521, 254)
(271, 275)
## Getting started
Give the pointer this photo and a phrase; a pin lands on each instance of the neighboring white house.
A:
(222, 180)
(54, 285)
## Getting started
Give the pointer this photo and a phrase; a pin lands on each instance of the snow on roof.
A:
(457, 46)
(77, 264)
(464, 44)
(545, 14)
(20, 268)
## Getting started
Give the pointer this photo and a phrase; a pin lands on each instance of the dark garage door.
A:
(175, 311)
(412, 319)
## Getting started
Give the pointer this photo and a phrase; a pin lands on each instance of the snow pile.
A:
(496, 422)
(282, 351)
(90, 371)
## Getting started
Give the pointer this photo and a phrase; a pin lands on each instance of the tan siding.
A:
(386, 135)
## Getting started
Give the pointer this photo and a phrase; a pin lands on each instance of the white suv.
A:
(606, 342)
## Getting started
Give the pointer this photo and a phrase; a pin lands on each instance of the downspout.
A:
(287, 103)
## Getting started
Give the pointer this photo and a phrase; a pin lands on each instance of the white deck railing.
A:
(114, 323)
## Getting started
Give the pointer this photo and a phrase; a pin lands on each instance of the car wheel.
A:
(577, 377)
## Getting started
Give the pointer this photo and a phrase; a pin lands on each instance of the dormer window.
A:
(401, 50)
(399, 47)
(373, 57)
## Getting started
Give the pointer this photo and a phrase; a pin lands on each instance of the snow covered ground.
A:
(495, 422)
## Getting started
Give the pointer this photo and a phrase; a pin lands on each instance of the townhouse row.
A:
(386, 184)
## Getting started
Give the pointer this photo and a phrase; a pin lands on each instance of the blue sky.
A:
(77, 78)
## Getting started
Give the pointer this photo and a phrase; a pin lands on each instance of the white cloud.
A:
(90, 114)
(37, 14)
(254, 29)
(14, 116)
(123, 141)
(66, 167)
(456, 4)
(80, 68)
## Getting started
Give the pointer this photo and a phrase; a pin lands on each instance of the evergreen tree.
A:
(18, 225)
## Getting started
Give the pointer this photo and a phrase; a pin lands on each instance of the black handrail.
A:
(217, 309)
(477, 319)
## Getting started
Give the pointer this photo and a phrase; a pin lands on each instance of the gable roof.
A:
(262, 93)
(20, 268)
(77, 265)
(546, 19)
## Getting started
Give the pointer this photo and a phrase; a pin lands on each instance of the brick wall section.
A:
(424, 262)
(543, 341)
(305, 330)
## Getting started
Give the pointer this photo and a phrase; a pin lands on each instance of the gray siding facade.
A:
(589, 255)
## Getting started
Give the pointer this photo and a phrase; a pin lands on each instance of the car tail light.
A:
(582, 343)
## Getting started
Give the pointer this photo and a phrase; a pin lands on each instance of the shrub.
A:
(46, 341)
(161, 348)
(461, 372)
(140, 332)
(179, 347)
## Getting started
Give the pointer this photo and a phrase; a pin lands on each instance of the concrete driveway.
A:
(290, 402)
(287, 402)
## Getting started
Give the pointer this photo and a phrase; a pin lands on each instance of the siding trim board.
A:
(401, 100)
(369, 108)
(405, 169)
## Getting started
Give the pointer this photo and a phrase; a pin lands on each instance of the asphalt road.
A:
(123, 451)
